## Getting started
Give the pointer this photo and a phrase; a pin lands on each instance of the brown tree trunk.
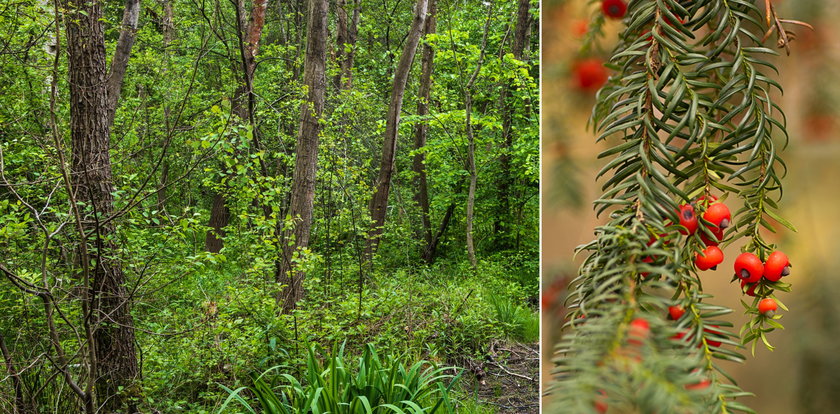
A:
(421, 197)
(347, 31)
(243, 106)
(116, 359)
(471, 140)
(430, 252)
(503, 217)
(119, 62)
(20, 406)
(219, 215)
(379, 202)
(306, 159)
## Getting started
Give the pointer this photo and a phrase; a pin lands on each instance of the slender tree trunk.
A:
(306, 159)
(504, 218)
(347, 28)
(471, 140)
(20, 406)
(421, 197)
(119, 62)
(249, 35)
(379, 202)
(219, 215)
(114, 343)
(430, 253)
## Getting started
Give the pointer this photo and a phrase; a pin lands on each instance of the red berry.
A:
(750, 289)
(749, 267)
(712, 242)
(639, 330)
(675, 312)
(711, 342)
(699, 386)
(646, 259)
(776, 266)
(590, 74)
(600, 402)
(767, 307)
(687, 219)
(719, 215)
(614, 8)
(579, 28)
(709, 258)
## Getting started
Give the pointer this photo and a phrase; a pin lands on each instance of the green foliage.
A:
(689, 112)
(376, 386)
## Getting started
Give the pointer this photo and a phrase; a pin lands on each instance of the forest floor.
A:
(508, 379)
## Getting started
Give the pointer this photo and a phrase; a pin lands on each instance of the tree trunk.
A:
(119, 63)
(306, 159)
(503, 217)
(471, 140)
(219, 215)
(430, 252)
(20, 406)
(421, 197)
(379, 202)
(116, 359)
(243, 106)
(347, 31)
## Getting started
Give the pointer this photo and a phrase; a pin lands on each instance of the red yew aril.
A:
(638, 331)
(590, 74)
(709, 258)
(615, 9)
(719, 215)
(750, 291)
(718, 236)
(675, 312)
(579, 28)
(748, 267)
(767, 307)
(687, 219)
(776, 266)
(699, 386)
(601, 402)
(711, 342)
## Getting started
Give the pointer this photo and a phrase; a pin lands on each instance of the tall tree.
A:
(248, 34)
(379, 202)
(347, 31)
(113, 326)
(119, 62)
(503, 217)
(471, 167)
(421, 197)
(306, 159)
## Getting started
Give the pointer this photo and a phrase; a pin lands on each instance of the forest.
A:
(304, 206)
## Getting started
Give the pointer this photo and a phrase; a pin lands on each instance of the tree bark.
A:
(20, 406)
(119, 63)
(379, 202)
(347, 32)
(114, 342)
(471, 140)
(219, 215)
(503, 217)
(306, 159)
(250, 34)
(421, 197)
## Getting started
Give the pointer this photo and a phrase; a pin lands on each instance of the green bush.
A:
(378, 386)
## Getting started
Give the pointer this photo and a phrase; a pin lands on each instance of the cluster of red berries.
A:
(719, 218)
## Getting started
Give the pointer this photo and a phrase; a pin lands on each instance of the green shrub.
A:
(378, 386)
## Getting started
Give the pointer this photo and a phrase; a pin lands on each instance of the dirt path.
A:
(508, 379)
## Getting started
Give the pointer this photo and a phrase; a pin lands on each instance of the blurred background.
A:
(803, 374)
